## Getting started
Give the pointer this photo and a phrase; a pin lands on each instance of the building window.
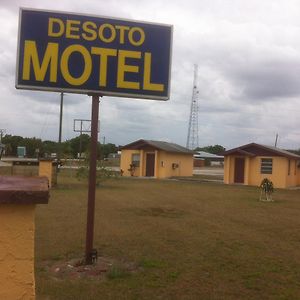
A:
(266, 166)
(135, 159)
(295, 167)
(289, 167)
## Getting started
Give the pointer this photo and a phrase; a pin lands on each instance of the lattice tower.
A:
(193, 136)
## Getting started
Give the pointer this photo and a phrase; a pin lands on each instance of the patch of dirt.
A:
(103, 268)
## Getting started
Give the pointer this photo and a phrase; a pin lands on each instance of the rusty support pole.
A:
(92, 181)
(59, 150)
(60, 124)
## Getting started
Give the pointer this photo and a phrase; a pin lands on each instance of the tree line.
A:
(35, 147)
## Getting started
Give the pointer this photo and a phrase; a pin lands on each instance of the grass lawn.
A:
(186, 240)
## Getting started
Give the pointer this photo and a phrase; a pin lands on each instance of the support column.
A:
(18, 198)
(46, 169)
(92, 182)
(156, 166)
(247, 170)
(141, 163)
(227, 168)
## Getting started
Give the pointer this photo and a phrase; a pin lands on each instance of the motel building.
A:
(251, 163)
(157, 159)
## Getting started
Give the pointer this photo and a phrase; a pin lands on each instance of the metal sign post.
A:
(60, 130)
(86, 54)
(92, 182)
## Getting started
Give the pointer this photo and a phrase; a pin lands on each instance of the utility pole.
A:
(276, 139)
(2, 131)
(83, 125)
(1, 147)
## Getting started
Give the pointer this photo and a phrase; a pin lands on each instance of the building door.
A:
(239, 168)
(150, 162)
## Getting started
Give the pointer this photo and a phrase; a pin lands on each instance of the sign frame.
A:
(92, 91)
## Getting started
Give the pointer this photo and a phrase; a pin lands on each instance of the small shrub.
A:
(267, 189)
(82, 173)
(102, 174)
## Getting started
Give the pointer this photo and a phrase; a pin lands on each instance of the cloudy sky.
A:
(248, 57)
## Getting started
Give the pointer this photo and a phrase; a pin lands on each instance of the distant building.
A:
(202, 158)
(250, 164)
(113, 159)
(114, 156)
(21, 151)
(147, 158)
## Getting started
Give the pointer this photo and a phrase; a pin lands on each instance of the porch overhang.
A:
(239, 152)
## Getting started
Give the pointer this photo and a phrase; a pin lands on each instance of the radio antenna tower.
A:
(192, 141)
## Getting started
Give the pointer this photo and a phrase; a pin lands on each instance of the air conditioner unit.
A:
(175, 166)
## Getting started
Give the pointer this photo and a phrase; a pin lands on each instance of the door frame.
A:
(150, 169)
(239, 170)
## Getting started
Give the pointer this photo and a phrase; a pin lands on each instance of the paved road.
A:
(209, 171)
(197, 171)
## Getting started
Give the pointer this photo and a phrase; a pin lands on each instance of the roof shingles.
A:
(253, 147)
(159, 145)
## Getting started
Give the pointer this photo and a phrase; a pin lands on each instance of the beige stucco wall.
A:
(163, 163)
(227, 169)
(126, 161)
(166, 160)
(292, 179)
(298, 173)
(17, 251)
(46, 169)
(279, 176)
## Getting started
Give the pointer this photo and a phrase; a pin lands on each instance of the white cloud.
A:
(248, 53)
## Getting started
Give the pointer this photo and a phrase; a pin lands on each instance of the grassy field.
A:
(171, 240)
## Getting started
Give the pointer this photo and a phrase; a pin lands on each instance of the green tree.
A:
(11, 143)
(69, 148)
(66, 149)
(78, 143)
(49, 147)
(32, 144)
(216, 149)
(106, 149)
